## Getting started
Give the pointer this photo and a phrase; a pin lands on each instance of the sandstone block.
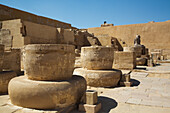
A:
(138, 51)
(6, 38)
(12, 60)
(141, 61)
(99, 78)
(90, 108)
(124, 60)
(91, 97)
(5, 77)
(49, 61)
(129, 49)
(77, 62)
(1, 56)
(46, 94)
(97, 57)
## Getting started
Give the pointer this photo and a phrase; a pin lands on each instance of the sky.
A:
(92, 13)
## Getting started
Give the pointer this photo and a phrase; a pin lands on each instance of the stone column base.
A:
(100, 78)
(46, 94)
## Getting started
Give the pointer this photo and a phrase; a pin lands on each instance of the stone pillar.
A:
(96, 68)
(48, 82)
(49, 62)
(97, 57)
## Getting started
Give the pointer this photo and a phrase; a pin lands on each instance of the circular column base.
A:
(100, 78)
(46, 94)
(5, 77)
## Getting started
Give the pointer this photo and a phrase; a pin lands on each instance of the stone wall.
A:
(12, 60)
(6, 38)
(7, 13)
(25, 32)
(153, 35)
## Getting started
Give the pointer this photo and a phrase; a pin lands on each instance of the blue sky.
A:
(92, 13)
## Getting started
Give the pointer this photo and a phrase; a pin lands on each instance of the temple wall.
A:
(153, 35)
(25, 32)
(7, 13)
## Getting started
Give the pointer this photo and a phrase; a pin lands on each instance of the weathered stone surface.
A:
(1, 56)
(46, 94)
(124, 60)
(97, 57)
(99, 78)
(5, 77)
(151, 33)
(8, 13)
(77, 62)
(91, 97)
(90, 108)
(129, 49)
(6, 38)
(65, 36)
(49, 61)
(141, 61)
(12, 60)
(138, 51)
(27, 32)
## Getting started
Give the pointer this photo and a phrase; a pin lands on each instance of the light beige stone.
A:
(97, 57)
(129, 49)
(5, 77)
(46, 94)
(90, 108)
(77, 62)
(49, 61)
(124, 60)
(98, 78)
(91, 97)
(141, 61)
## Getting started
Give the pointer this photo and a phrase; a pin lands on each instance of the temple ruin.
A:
(50, 66)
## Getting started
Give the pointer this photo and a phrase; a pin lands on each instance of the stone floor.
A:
(148, 95)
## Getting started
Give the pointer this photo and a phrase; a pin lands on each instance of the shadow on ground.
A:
(134, 82)
(107, 104)
(140, 68)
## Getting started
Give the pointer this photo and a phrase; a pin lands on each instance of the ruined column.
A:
(48, 82)
(49, 61)
(96, 68)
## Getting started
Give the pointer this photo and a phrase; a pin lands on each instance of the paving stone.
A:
(138, 74)
(123, 98)
(133, 101)
(3, 99)
(166, 104)
(151, 103)
(7, 109)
